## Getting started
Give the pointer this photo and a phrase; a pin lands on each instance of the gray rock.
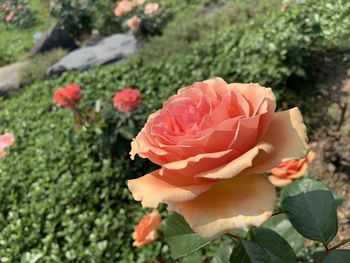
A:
(54, 38)
(109, 50)
(10, 77)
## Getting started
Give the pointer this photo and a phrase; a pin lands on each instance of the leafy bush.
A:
(17, 13)
(62, 202)
(75, 17)
(16, 41)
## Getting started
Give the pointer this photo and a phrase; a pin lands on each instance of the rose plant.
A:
(214, 142)
(142, 18)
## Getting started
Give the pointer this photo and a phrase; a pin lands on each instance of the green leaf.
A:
(223, 254)
(281, 225)
(311, 209)
(248, 252)
(278, 249)
(338, 256)
(180, 237)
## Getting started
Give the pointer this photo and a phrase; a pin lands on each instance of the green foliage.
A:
(16, 13)
(74, 16)
(16, 42)
(196, 24)
(281, 225)
(61, 201)
(276, 246)
(339, 256)
(181, 238)
(311, 209)
(36, 69)
(249, 252)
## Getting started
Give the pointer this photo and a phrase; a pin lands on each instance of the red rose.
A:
(68, 96)
(127, 100)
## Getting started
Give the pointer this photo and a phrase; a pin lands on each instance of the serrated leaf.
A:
(311, 208)
(180, 237)
(278, 249)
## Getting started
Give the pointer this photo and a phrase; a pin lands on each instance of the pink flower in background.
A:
(6, 140)
(290, 170)
(68, 96)
(127, 100)
(146, 231)
(123, 7)
(10, 16)
(134, 23)
(151, 8)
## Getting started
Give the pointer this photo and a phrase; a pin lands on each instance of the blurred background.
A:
(63, 190)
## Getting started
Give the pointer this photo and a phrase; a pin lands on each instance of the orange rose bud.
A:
(146, 231)
(284, 173)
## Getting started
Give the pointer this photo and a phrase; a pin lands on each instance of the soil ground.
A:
(330, 140)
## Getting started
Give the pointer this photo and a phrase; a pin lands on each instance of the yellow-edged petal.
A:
(287, 135)
(231, 205)
(152, 189)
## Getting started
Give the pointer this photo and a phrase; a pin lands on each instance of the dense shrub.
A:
(16, 13)
(62, 201)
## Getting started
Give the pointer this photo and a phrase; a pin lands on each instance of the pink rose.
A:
(127, 100)
(146, 231)
(133, 23)
(151, 8)
(123, 7)
(6, 140)
(10, 16)
(214, 141)
(284, 173)
(68, 96)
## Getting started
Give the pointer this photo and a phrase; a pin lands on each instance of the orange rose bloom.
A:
(284, 173)
(134, 22)
(146, 231)
(213, 142)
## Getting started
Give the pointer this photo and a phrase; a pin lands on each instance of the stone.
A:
(54, 38)
(10, 77)
(109, 50)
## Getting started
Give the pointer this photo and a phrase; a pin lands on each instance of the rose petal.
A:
(152, 189)
(199, 163)
(236, 166)
(231, 205)
(287, 135)
(278, 181)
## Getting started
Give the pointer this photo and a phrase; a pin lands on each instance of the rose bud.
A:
(146, 231)
(287, 171)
